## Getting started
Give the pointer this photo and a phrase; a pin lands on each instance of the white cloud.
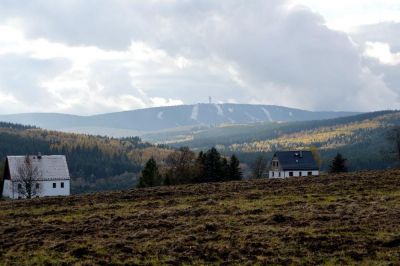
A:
(347, 15)
(157, 101)
(65, 57)
(81, 88)
(382, 52)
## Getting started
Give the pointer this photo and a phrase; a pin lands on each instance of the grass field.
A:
(339, 219)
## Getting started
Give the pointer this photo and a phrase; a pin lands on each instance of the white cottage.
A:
(49, 173)
(293, 163)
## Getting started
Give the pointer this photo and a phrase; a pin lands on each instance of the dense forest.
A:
(361, 138)
(95, 162)
(364, 142)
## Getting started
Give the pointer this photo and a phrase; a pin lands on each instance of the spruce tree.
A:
(338, 164)
(199, 168)
(235, 172)
(212, 166)
(150, 176)
(167, 180)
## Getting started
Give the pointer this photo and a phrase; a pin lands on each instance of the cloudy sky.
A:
(96, 56)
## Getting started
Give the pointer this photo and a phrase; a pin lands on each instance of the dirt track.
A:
(350, 218)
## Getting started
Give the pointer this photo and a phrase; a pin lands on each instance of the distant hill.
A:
(138, 122)
(362, 138)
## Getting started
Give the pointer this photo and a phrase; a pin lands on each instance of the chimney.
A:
(39, 156)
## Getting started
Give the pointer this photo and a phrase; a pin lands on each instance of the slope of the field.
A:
(339, 219)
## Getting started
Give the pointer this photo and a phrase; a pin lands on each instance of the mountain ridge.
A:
(138, 121)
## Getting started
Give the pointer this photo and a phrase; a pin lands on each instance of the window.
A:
(54, 185)
(290, 173)
(279, 174)
(62, 184)
(309, 173)
(273, 174)
(300, 173)
(37, 185)
(19, 186)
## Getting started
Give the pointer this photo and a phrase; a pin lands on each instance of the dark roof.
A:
(296, 160)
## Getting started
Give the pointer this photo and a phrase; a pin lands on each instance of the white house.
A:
(51, 178)
(293, 163)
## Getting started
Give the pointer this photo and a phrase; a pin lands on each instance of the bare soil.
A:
(337, 219)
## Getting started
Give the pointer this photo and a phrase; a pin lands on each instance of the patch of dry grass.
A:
(340, 219)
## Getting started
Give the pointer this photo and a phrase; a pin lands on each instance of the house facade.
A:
(41, 176)
(293, 163)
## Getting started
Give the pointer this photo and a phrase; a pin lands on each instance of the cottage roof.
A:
(51, 167)
(296, 160)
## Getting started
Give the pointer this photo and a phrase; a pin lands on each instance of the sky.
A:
(97, 56)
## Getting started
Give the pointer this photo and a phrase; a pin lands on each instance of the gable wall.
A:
(46, 189)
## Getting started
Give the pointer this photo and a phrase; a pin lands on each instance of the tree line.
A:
(183, 167)
(95, 163)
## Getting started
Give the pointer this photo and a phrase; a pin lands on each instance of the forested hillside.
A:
(361, 138)
(95, 163)
(140, 121)
(103, 163)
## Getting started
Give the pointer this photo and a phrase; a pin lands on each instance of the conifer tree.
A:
(199, 168)
(224, 173)
(212, 166)
(167, 180)
(338, 164)
(150, 175)
(235, 172)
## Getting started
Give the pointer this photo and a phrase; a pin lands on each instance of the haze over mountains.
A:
(141, 121)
